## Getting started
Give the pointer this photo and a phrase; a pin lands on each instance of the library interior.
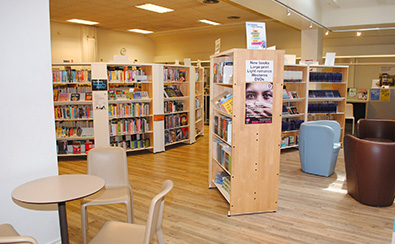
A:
(198, 121)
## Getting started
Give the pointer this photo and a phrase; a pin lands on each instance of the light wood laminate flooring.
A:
(312, 209)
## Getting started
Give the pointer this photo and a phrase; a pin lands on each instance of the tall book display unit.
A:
(327, 92)
(294, 104)
(178, 104)
(73, 108)
(199, 101)
(130, 108)
(244, 158)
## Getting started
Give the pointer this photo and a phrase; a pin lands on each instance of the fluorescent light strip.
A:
(208, 22)
(141, 31)
(84, 22)
(154, 8)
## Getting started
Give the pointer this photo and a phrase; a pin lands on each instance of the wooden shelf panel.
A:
(224, 193)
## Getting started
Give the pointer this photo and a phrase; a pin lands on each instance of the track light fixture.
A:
(288, 13)
(311, 25)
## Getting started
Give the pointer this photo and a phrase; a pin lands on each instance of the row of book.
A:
(223, 179)
(324, 93)
(293, 76)
(66, 97)
(73, 131)
(172, 91)
(198, 102)
(130, 142)
(291, 125)
(222, 153)
(287, 110)
(129, 126)
(71, 76)
(326, 77)
(176, 135)
(126, 95)
(198, 114)
(223, 127)
(322, 108)
(74, 147)
(173, 106)
(126, 74)
(289, 94)
(73, 112)
(288, 141)
(223, 72)
(174, 75)
(176, 120)
(225, 103)
(128, 110)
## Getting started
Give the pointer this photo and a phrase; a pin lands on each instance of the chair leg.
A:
(159, 235)
(84, 223)
(353, 125)
(129, 211)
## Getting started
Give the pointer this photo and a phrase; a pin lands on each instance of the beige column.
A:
(312, 44)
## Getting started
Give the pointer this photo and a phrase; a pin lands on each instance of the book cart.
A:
(244, 158)
(294, 104)
(199, 101)
(327, 92)
(178, 92)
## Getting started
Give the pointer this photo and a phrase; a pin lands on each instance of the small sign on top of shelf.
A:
(256, 35)
(259, 70)
(217, 45)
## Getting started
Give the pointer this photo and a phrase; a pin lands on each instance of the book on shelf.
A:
(74, 97)
(64, 97)
(225, 102)
(286, 94)
(88, 96)
(363, 94)
(223, 72)
(294, 94)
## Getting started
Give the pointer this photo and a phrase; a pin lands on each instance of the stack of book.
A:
(225, 103)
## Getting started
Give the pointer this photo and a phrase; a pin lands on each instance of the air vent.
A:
(210, 1)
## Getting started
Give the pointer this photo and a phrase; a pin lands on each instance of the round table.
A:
(58, 189)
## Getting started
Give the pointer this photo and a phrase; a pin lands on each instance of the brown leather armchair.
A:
(370, 170)
(376, 130)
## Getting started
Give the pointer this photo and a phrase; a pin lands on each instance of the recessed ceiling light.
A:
(84, 22)
(208, 22)
(311, 25)
(359, 33)
(154, 8)
(327, 33)
(141, 31)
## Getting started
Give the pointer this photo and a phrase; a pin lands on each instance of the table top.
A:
(58, 188)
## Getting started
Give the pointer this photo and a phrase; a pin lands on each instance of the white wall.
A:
(138, 46)
(27, 141)
(66, 42)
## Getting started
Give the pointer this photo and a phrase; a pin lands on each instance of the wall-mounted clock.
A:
(123, 51)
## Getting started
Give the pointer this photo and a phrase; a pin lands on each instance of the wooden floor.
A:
(312, 209)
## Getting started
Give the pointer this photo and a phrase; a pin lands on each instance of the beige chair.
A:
(349, 114)
(119, 232)
(9, 235)
(109, 163)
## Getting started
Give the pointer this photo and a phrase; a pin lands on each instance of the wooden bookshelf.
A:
(178, 106)
(328, 78)
(295, 81)
(73, 118)
(199, 101)
(130, 107)
(252, 181)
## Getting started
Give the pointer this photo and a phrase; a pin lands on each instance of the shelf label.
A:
(259, 70)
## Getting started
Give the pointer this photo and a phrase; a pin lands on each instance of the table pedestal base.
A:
(64, 232)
